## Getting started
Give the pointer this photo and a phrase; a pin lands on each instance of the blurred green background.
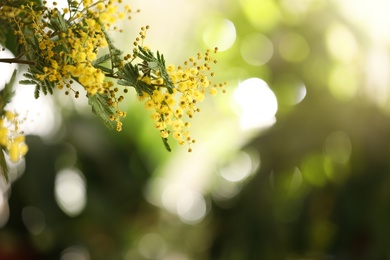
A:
(293, 162)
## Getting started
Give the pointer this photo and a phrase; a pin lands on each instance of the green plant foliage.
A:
(99, 105)
(152, 65)
(6, 95)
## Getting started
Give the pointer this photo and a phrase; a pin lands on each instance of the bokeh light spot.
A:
(238, 169)
(296, 180)
(338, 147)
(343, 82)
(152, 246)
(220, 33)
(191, 207)
(341, 43)
(264, 14)
(256, 49)
(297, 7)
(293, 47)
(314, 169)
(75, 253)
(170, 196)
(290, 89)
(257, 102)
(377, 76)
(225, 189)
(70, 191)
(371, 16)
(33, 219)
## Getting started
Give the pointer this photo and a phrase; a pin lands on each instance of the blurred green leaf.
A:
(100, 107)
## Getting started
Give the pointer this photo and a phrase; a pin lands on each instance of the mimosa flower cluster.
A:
(173, 110)
(10, 138)
(66, 48)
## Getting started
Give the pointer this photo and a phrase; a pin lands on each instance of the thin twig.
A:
(111, 75)
(16, 60)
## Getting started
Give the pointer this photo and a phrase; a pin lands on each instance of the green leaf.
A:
(105, 69)
(156, 64)
(44, 89)
(27, 82)
(7, 93)
(165, 142)
(8, 38)
(59, 23)
(29, 75)
(101, 59)
(129, 75)
(114, 53)
(100, 107)
(36, 92)
(3, 166)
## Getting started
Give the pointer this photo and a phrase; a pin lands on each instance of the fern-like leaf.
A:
(100, 107)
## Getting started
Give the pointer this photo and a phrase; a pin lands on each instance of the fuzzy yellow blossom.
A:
(100, 6)
(10, 139)
(3, 136)
(213, 91)
(170, 108)
(121, 15)
(83, 40)
(9, 11)
(111, 9)
(68, 53)
(87, 2)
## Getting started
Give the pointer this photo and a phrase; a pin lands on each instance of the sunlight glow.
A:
(373, 16)
(257, 102)
(371, 19)
(221, 34)
(341, 43)
(70, 191)
(6, 68)
(377, 76)
(42, 117)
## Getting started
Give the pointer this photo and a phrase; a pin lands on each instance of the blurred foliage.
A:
(322, 188)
